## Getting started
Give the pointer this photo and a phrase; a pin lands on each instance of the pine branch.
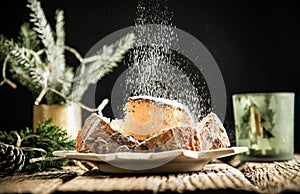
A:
(54, 51)
(42, 27)
(103, 62)
(68, 73)
(28, 37)
(60, 41)
(38, 60)
(4, 46)
(26, 65)
(46, 137)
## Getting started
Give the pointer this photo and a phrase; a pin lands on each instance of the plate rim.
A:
(130, 156)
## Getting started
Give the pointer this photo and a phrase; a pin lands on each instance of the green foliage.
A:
(91, 71)
(25, 67)
(37, 59)
(46, 136)
(28, 38)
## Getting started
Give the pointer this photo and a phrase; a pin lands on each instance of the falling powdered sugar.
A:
(153, 70)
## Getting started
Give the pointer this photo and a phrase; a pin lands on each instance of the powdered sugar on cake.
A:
(151, 125)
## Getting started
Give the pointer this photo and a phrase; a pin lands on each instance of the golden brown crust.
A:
(212, 133)
(99, 135)
(159, 139)
(79, 143)
(172, 139)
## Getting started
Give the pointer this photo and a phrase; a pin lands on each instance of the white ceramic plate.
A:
(168, 161)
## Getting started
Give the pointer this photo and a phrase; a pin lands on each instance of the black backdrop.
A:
(255, 43)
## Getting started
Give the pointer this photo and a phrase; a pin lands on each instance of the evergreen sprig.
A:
(28, 38)
(100, 64)
(37, 59)
(46, 136)
(26, 67)
(43, 29)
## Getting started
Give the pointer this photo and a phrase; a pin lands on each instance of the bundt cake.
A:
(151, 125)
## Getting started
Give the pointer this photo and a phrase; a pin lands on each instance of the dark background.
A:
(255, 43)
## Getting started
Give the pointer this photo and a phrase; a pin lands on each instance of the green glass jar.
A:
(264, 122)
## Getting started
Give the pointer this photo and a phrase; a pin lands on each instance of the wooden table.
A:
(223, 177)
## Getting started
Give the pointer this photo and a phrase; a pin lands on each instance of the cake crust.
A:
(213, 135)
(100, 135)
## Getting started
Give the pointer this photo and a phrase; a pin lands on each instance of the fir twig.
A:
(96, 66)
(42, 27)
(60, 42)
(27, 65)
(54, 49)
(28, 37)
(38, 61)
(38, 145)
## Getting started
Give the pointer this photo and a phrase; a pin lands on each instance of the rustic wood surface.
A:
(274, 177)
(44, 182)
(213, 176)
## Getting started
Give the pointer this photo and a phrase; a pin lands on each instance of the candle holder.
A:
(264, 122)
